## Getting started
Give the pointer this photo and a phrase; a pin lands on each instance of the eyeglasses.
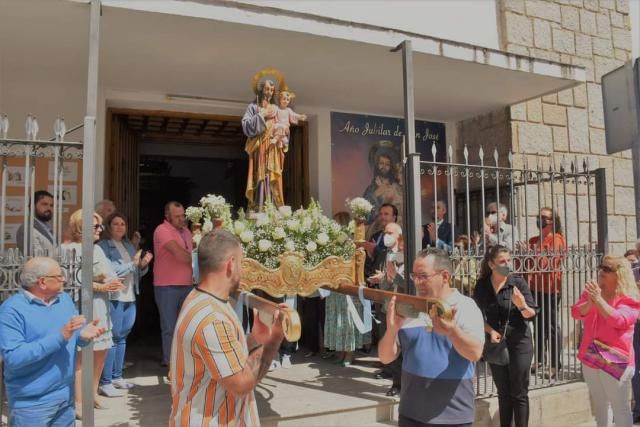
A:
(548, 218)
(607, 269)
(99, 227)
(59, 277)
(492, 212)
(422, 277)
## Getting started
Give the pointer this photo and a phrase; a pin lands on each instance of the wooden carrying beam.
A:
(292, 325)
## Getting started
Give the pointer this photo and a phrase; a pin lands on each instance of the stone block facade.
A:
(595, 34)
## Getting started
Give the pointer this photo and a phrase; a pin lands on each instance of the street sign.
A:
(621, 98)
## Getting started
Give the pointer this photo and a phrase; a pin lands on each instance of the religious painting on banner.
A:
(366, 161)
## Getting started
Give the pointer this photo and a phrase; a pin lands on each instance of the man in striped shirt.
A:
(214, 367)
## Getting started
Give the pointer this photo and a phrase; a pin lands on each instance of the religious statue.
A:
(267, 129)
(285, 117)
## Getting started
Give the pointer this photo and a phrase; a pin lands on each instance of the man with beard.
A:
(42, 237)
(214, 366)
(384, 187)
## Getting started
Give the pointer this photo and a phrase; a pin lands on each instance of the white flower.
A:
(279, 233)
(289, 245)
(293, 224)
(306, 224)
(239, 227)
(216, 205)
(342, 237)
(262, 219)
(207, 226)
(360, 207)
(322, 239)
(285, 211)
(246, 236)
(311, 246)
(335, 227)
(264, 245)
(194, 214)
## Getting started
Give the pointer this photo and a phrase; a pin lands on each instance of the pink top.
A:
(615, 330)
(167, 270)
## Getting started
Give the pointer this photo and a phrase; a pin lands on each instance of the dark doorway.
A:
(153, 157)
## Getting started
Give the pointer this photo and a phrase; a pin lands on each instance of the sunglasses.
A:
(607, 269)
(98, 227)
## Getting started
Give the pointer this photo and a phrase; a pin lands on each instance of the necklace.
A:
(210, 294)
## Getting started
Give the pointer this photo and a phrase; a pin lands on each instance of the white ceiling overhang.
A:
(212, 49)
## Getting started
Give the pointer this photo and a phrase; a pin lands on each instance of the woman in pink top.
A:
(609, 310)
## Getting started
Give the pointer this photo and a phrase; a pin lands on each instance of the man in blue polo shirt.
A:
(438, 355)
(39, 331)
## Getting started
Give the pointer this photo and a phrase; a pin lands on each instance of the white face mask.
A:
(493, 218)
(389, 240)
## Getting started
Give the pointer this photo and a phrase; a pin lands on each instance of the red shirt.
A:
(167, 270)
(546, 266)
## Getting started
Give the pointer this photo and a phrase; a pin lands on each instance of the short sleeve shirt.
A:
(167, 270)
(208, 345)
(437, 382)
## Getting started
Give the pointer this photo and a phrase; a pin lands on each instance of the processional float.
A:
(292, 253)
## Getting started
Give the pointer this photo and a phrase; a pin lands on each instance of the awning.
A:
(213, 49)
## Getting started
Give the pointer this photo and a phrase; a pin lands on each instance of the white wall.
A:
(467, 21)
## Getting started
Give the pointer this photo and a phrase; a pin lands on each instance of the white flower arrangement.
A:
(269, 234)
(276, 230)
(360, 208)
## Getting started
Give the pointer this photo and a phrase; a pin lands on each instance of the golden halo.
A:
(271, 74)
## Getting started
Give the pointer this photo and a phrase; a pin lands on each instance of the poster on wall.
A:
(13, 206)
(366, 161)
(15, 176)
(70, 171)
(69, 194)
(10, 231)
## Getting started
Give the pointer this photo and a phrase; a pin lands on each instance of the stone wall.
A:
(594, 34)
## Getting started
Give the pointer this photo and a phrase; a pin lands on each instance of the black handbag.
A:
(498, 353)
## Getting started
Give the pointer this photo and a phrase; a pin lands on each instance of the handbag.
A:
(611, 360)
(498, 353)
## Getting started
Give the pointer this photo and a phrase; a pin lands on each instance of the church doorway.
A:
(153, 157)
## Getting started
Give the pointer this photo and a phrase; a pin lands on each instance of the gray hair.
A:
(167, 206)
(503, 208)
(440, 258)
(34, 269)
(214, 249)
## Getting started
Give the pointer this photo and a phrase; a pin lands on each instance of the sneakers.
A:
(121, 384)
(109, 390)
(286, 361)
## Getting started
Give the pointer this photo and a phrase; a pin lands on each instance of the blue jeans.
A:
(169, 300)
(123, 316)
(635, 381)
(50, 414)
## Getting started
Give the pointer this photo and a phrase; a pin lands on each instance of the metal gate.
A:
(520, 187)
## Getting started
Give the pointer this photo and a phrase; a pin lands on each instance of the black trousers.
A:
(512, 380)
(410, 422)
(548, 330)
(312, 314)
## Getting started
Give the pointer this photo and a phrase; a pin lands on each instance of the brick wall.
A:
(594, 34)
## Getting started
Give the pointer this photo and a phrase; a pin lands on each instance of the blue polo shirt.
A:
(38, 363)
(437, 382)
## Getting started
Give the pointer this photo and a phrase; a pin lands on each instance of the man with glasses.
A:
(545, 279)
(439, 355)
(39, 331)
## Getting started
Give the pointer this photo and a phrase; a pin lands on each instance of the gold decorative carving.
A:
(294, 278)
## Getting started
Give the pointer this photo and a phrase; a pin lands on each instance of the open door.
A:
(296, 168)
(121, 159)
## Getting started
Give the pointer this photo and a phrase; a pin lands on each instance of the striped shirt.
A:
(208, 345)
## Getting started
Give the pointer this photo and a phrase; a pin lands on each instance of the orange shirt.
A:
(545, 268)
(208, 345)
